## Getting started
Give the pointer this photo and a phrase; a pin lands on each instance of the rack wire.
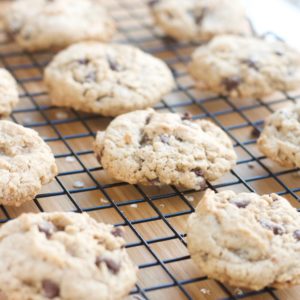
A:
(154, 218)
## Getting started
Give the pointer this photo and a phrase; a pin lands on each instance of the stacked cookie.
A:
(233, 238)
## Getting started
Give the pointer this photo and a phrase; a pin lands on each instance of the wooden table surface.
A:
(154, 217)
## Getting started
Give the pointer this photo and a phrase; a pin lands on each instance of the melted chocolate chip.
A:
(199, 17)
(255, 132)
(278, 230)
(186, 116)
(241, 203)
(164, 138)
(117, 231)
(92, 76)
(278, 53)
(83, 61)
(297, 234)
(169, 40)
(198, 172)
(231, 83)
(147, 121)
(145, 139)
(113, 266)
(113, 64)
(50, 289)
(252, 64)
(47, 228)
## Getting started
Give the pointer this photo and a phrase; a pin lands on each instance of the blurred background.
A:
(279, 16)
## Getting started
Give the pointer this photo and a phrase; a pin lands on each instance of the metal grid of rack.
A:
(154, 218)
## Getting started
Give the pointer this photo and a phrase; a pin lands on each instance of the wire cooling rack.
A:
(154, 218)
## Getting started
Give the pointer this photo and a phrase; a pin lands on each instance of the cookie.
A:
(107, 79)
(246, 240)
(242, 67)
(200, 20)
(63, 256)
(44, 24)
(280, 138)
(9, 96)
(26, 163)
(164, 148)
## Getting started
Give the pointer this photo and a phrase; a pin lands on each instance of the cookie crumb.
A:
(78, 184)
(250, 165)
(161, 205)
(190, 198)
(104, 200)
(61, 115)
(238, 291)
(134, 205)
(205, 291)
(27, 120)
(70, 159)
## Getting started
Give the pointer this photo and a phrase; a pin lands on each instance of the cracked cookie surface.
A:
(9, 96)
(26, 163)
(200, 20)
(246, 240)
(63, 256)
(280, 138)
(163, 148)
(43, 24)
(107, 79)
(242, 67)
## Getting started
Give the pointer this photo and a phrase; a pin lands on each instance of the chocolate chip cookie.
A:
(242, 67)
(280, 139)
(107, 79)
(246, 240)
(200, 20)
(164, 148)
(63, 256)
(9, 96)
(26, 163)
(43, 24)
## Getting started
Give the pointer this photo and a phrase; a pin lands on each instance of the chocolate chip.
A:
(98, 99)
(297, 234)
(164, 138)
(186, 116)
(198, 172)
(241, 203)
(231, 83)
(83, 61)
(148, 119)
(169, 40)
(47, 228)
(255, 132)
(50, 288)
(251, 63)
(198, 16)
(113, 266)
(278, 53)
(92, 76)
(112, 64)
(117, 231)
(277, 229)
(145, 139)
